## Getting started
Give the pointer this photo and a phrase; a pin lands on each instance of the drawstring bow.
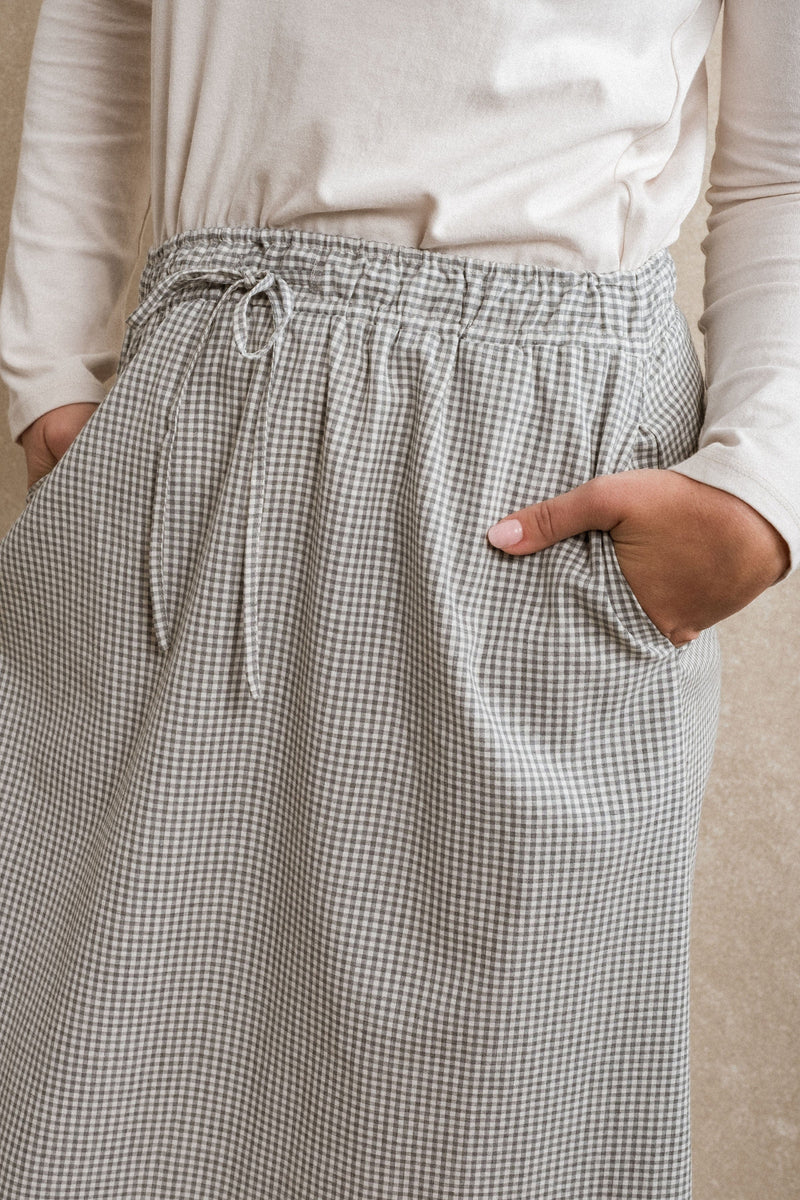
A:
(281, 299)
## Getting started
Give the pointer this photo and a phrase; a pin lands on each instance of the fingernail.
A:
(505, 533)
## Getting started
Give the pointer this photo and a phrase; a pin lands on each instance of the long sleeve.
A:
(750, 443)
(82, 196)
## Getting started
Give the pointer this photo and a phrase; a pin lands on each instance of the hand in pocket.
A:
(48, 438)
(691, 553)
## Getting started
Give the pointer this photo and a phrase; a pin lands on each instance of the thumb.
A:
(595, 504)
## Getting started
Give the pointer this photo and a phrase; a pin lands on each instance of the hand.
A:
(47, 438)
(692, 553)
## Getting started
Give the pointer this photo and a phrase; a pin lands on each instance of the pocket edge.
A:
(626, 604)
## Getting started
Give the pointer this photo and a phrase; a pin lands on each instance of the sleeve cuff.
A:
(72, 384)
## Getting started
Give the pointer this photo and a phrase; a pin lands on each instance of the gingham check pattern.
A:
(345, 857)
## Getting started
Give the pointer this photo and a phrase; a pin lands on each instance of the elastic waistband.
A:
(381, 281)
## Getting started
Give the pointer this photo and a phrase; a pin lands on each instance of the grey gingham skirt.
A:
(344, 856)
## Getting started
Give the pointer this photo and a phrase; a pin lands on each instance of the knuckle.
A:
(542, 521)
(682, 636)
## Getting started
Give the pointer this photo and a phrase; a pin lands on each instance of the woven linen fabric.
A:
(344, 856)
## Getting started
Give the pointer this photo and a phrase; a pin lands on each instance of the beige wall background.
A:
(746, 932)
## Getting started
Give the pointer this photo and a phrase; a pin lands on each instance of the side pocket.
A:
(131, 342)
(86, 431)
(625, 602)
(139, 334)
(667, 429)
(75, 473)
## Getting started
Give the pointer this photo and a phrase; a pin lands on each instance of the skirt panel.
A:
(345, 856)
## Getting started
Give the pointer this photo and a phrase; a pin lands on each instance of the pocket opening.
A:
(625, 603)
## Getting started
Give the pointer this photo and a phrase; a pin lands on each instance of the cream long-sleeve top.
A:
(560, 132)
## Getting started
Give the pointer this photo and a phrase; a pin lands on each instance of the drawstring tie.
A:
(281, 299)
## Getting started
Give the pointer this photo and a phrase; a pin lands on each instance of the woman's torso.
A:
(551, 131)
